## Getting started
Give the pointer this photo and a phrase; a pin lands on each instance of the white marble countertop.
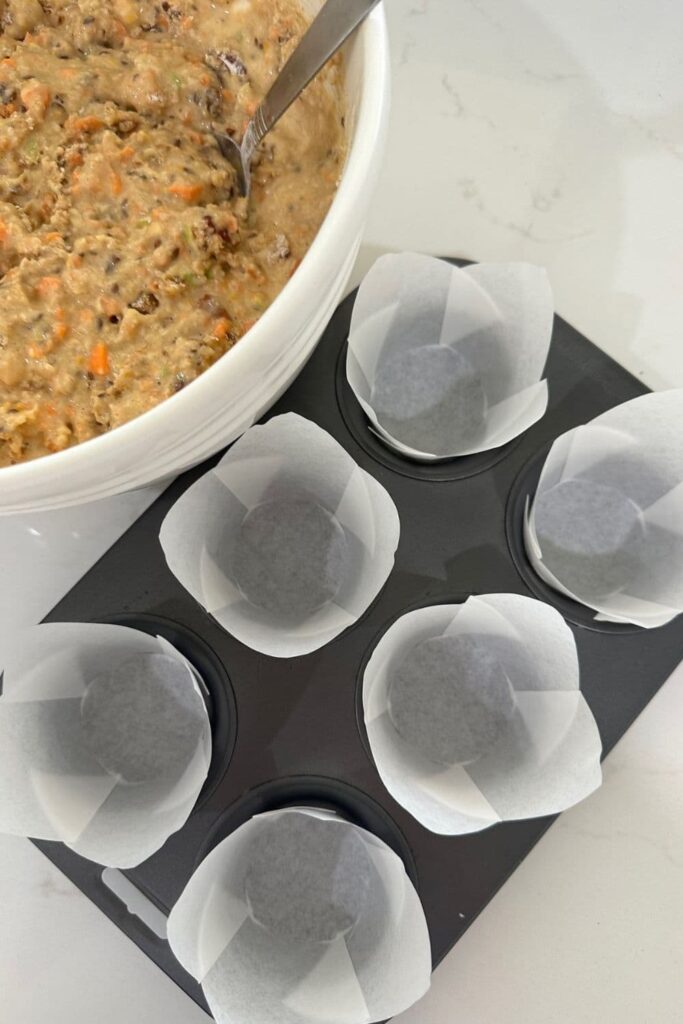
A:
(545, 130)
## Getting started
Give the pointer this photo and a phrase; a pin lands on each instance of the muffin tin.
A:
(290, 732)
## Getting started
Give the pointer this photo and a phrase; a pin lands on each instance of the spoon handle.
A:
(332, 26)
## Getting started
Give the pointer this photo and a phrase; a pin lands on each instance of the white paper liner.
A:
(544, 759)
(448, 362)
(605, 526)
(286, 541)
(300, 917)
(105, 741)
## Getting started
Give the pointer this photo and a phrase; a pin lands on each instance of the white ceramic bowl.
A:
(237, 390)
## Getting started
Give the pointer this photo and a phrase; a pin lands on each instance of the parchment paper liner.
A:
(292, 471)
(448, 362)
(633, 455)
(300, 966)
(105, 741)
(548, 755)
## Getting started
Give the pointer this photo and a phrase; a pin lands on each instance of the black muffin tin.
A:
(290, 732)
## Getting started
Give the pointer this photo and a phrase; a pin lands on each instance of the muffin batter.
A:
(128, 262)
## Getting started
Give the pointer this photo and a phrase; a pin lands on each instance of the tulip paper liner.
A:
(605, 526)
(300, 917)
(105, 741)
(474, 715)
(286, 541)
(448, 362)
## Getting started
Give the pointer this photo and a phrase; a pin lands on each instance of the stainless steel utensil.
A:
(332, 26)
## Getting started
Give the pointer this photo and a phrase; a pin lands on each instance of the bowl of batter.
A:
(148, 313)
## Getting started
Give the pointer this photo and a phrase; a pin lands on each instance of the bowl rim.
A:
(105, 448)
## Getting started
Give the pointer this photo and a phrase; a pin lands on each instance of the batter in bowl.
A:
(128, 262)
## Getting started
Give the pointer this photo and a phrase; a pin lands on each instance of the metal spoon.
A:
(332, 26)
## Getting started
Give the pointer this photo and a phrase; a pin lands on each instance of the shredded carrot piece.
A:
(36, 98)
(60, 331)
(98, 363)
(52, 236)
(221, 328)
(186, 191)
(116, 184)
(89, 123)
(4, 232)
(126, 154)
(255, 274)
(47, 285)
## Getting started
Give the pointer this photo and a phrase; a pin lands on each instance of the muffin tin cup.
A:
(315, 792)
(604, 526)
(299, 740)
(293, 905)
(446, 471)
(286, 541)
(214, 686)
(447, 362)
(105, 738)
(521, 493)
(474, 714)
